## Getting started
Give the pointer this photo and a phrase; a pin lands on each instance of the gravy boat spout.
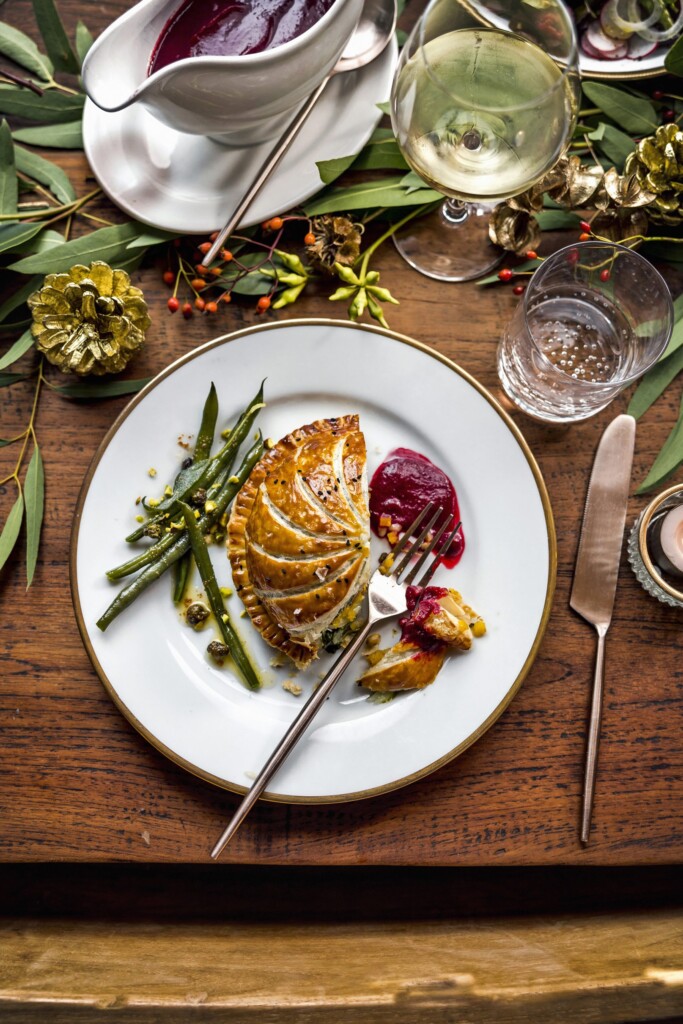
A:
(239, 101)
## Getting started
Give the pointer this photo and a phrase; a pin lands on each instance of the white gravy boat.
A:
(239, 101)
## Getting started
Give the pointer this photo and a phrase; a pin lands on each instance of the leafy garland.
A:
(272, 264)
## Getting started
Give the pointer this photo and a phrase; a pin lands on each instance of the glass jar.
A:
(649, 541)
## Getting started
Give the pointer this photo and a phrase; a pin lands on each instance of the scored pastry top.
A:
(299, 537)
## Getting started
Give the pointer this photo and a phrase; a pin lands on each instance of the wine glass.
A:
(484, 102)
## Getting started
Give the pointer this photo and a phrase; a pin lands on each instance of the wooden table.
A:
(79, 784)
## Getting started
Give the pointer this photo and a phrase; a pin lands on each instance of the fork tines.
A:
(416, 546)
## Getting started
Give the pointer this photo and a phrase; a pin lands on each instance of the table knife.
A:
(597, 569)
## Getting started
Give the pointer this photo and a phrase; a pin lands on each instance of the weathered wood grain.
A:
(77, 782)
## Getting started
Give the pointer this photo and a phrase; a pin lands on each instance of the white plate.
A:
(646, 67)
(202, 717)
(188, 183)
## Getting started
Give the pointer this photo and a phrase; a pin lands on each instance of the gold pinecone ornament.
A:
(657, 163)
(90, 320)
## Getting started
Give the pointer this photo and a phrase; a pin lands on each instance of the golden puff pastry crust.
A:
(299, 536)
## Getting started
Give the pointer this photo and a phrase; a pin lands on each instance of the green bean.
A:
(181, 576)
(207, 427)
(212, 591)
(203, 473)
(180, 544)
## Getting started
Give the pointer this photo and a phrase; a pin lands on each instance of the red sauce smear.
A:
(402, 486)
(225, 28)
(422, 602)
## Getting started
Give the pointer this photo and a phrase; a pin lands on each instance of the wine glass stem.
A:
(454, 212)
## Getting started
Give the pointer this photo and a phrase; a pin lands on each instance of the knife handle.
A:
(593, 736)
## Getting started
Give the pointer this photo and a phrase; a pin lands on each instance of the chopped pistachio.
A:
(168, 491)
(139, 519)
(153, 502)
(226, 592)
(151, 471)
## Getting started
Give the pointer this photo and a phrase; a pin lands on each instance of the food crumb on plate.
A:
(291, 687)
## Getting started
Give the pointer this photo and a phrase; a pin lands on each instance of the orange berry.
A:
(226, 255)
(214, 236)
(309, 239)
(198, 282)
(211, 307)
(199, 302)
(276, 223)
(226, 297)
(263, 304)
(204, 247)
(215, 271)
(200, 270)
(584, 237)
(168, 278)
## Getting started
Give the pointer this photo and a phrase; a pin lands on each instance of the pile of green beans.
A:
(185, 542)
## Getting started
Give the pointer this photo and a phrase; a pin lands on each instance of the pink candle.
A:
(671, 539)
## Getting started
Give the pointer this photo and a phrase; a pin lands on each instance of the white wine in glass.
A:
(481, 111)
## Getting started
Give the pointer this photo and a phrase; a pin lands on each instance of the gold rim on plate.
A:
(434, 765)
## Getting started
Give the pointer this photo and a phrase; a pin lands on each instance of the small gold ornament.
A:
(657, 164)
(337, 240)
(514, 230)
(90, 320)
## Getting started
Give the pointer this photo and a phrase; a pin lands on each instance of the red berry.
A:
(187, 310)
(605, 275)
(584, 237)
(668, 115)
(505, 274)
(573, 256)
(168, 278)
(173, 304)
(658, 94)
(584, 225)
(519, 289)
(211, 307)
(199, 303)
(276, 223)
(204, 247)
(309, 239)
(532, 254)
(263, 304)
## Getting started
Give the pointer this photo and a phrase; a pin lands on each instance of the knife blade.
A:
(597, 568)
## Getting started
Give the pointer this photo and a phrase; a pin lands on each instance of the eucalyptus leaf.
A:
(412, 181)
(47, 173)
(14, 233)
(105, 389)
(23, 51)
(615, 144)
(46, 240)
(7, 379)
(675, 341)
(632, 113)
(51, 108)
(380, 152)
(556, 220)
(655, 382)
(34, 498)
(84, 40)
(149, 237)
(329, 170)
(673, 62)
(367, 195)
(669, 458)
(19, 296)
(58, 136)
(55, 38)
(10, 531)
(4, 442)
(384, 107)
(9, 189)
(108, 244)
(17, 350)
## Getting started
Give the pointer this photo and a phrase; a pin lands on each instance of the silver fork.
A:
(386, 598)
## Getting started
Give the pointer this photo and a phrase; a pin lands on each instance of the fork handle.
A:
(268, 166)
(292, 736)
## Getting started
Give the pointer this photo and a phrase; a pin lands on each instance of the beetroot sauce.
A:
(220, 28)
(402, 486)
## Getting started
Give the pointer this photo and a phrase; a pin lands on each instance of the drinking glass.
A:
(594, 317)
(484, 102)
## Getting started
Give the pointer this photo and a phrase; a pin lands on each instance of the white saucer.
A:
(187, 183)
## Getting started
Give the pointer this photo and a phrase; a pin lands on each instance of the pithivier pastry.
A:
(299, 538)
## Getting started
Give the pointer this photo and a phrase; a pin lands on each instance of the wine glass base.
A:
(447, 249)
